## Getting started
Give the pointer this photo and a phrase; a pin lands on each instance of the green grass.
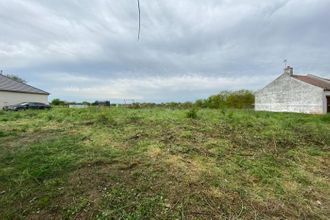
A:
(159, 163)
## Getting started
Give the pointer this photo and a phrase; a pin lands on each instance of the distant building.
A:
(78, 106)
(13, 92)
(295, 93)
(101, 103)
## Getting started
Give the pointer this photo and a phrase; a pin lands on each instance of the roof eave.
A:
(36, 93)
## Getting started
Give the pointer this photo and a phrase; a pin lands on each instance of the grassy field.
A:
(163, 164)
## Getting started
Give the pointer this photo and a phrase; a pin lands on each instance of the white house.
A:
(13, 92)
(295, 93)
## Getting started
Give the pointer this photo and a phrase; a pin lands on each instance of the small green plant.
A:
(2, 134)
(134, 118)
(49, 117)
(192, 113)
(326, 118)
(105, 119)
(224, 111)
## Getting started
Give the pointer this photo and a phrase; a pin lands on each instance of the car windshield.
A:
(23, 103)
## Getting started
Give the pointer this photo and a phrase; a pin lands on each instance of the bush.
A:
(237, 99)
(57, 102)
(2, 134)
(240, 99)
(192, 113)
(105, 119)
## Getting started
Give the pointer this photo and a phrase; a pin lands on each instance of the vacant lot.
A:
(161, 164)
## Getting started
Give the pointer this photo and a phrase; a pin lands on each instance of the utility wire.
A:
(138, 4)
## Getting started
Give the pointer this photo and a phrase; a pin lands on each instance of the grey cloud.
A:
(211, 38)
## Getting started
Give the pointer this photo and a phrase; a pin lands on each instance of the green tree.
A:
(241, 99)
(57, 102)
(227, 99)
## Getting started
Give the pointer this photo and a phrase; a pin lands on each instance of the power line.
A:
(139, 10)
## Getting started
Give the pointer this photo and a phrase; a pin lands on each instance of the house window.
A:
(328, 104)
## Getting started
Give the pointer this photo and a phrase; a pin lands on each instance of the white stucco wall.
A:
(287, 94)
(11, 98)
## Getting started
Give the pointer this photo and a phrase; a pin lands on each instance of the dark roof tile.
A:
(315, 81)
(7, 84)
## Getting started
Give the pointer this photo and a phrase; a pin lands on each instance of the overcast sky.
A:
(189, 49)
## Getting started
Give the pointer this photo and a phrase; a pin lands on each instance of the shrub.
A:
(240, 99)
(135, 117)
(192, 113)
(57, 102)
(326, 118)
(135, 106)
(237, 99)
(49, 117)
(2, 134)
(105, 119)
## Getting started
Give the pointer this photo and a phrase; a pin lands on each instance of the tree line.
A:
(241, 99)
(228, 99)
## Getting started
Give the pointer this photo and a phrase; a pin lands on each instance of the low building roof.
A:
(9, 85)
(315, 81)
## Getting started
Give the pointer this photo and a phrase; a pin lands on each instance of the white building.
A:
(78, 106)
(295, 93)
(13, 92)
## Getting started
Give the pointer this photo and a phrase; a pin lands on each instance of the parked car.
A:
(26, 105)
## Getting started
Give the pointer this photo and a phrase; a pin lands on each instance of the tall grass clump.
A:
(192, 113)
(105, 119)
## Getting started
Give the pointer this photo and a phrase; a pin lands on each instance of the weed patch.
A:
(105, 119)
(192, 113)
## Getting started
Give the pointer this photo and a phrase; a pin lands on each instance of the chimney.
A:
(288, 70)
